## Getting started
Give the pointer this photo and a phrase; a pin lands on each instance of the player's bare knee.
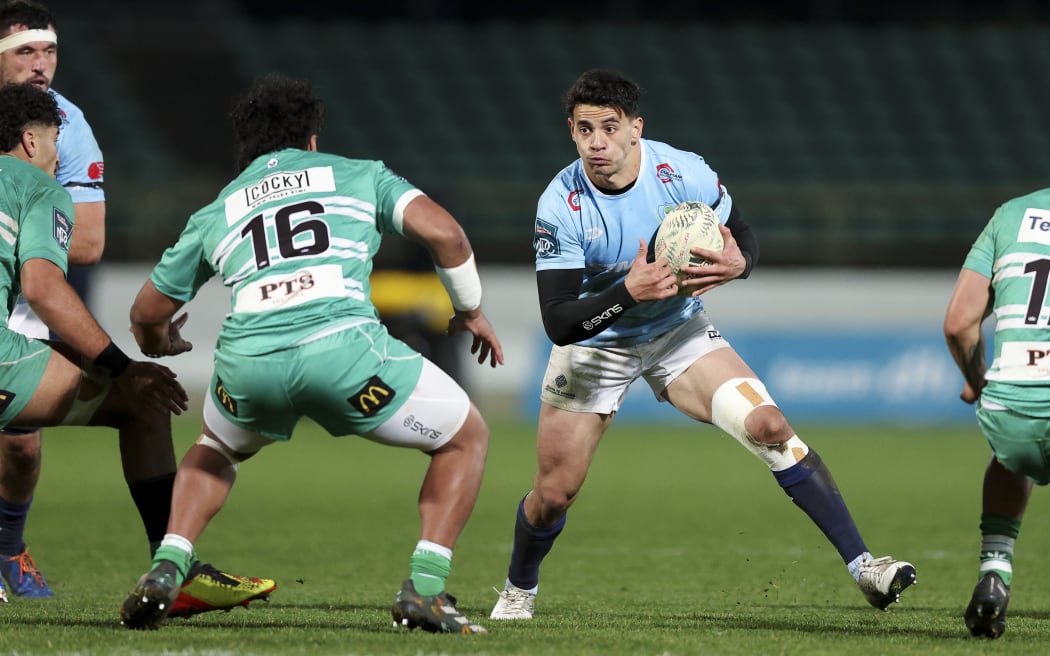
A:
(20, 449)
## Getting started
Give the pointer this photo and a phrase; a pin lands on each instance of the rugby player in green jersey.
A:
(293, 237)
(1005, 274)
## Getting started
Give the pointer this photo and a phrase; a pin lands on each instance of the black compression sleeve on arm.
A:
(745, 239)
(567, 318)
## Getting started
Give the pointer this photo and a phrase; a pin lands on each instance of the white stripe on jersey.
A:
(8, 229)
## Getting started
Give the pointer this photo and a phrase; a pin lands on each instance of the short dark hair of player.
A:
(277, 112)
(604, 88)
(22, 106)
(33, 15)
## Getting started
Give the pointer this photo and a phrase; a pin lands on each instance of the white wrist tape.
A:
(462, 284)
(27, 36)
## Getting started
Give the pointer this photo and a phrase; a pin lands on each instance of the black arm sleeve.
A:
(567, 318)
(745, 239)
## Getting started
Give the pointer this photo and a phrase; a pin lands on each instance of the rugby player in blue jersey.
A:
(615, 316)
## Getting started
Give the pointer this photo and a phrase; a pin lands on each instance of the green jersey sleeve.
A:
(390, 189)
(981, 257)
(183, 269)
(46, 227)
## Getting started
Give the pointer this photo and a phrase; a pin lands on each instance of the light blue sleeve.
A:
(80, 163)
(557, 240)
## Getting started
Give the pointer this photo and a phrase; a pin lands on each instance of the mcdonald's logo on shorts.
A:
(373, 397)
(5, 399)
(224, 398)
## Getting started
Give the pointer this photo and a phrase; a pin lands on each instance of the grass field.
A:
(681, 543)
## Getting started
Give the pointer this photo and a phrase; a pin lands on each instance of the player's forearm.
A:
(65, 314)
(968, 353)
(745, 240)
(569, 319)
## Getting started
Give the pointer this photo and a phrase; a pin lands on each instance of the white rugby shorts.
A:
(588, 379)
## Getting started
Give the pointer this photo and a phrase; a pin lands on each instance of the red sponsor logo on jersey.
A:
(96, 169)
(665, 173)
(574, 200)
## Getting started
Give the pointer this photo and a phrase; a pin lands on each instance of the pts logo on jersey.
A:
(417, 426)
(373, 397)
(285, 288)
(1035, 358)
(596, 321)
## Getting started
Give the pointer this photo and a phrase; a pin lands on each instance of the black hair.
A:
(33, 15)
(604, 88)
(22, 106)
(277, 112)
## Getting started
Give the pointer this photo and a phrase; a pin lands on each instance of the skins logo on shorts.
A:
(5, 399)
(224, 398)
(63, 229)
(373, 397)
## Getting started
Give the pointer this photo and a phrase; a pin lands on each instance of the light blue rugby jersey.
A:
(80, 163)
(579, 227)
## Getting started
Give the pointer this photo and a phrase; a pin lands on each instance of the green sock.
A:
(178, 557)
(998, 534)
(429, 571)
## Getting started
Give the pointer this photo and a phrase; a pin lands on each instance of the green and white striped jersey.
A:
(293, 237)
(1013, 251)
(36, 221)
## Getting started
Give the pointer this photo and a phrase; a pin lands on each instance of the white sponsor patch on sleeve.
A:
(1035, 226)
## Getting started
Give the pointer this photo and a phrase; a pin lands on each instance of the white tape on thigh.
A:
(221, 448)
(732, 402)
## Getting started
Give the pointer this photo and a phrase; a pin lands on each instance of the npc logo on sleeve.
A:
(62, 228)
(546, 240)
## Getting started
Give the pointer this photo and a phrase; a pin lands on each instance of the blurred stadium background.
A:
(866, 142)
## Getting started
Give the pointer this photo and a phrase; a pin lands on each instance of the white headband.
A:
(27, 36)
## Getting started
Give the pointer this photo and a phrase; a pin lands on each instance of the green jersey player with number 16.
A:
(293, 237)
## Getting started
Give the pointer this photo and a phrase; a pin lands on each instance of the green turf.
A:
(681, 543)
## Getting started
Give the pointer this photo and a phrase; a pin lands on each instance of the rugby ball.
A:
(691, 224)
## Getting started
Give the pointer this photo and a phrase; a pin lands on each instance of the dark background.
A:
(850, 133)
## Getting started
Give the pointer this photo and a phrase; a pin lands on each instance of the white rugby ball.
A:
(691, 224)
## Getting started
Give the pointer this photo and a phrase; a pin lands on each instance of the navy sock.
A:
(12, 526)
(531, 545)
(811, 488)
(152, 497)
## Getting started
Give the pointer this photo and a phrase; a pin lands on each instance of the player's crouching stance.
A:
(293, 236)
(85, 380)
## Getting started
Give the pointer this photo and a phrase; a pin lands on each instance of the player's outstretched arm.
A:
(156, 333)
